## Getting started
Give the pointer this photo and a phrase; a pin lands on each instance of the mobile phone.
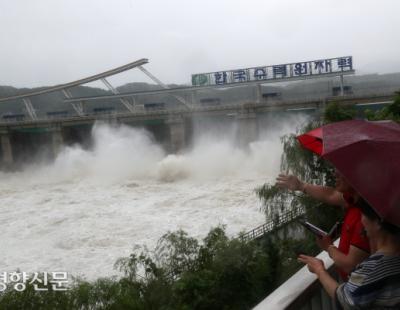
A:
(314, 229)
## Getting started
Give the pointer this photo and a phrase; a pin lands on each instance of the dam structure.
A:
(24, 135)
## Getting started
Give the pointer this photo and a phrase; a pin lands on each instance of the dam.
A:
(38, 134)
(81, 190)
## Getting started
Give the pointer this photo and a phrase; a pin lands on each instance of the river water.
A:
(86, 209)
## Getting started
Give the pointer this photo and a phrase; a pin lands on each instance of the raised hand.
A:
(290, 182)
(315, 265)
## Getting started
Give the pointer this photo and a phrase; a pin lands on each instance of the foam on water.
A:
(88, 208)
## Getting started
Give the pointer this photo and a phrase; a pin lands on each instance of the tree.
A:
(391, 111)
(308, 167)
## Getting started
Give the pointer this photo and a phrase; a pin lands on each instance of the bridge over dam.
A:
(22, 138)
(173, 128)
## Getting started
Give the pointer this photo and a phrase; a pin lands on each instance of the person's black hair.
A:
(367, 210)
(371, 214)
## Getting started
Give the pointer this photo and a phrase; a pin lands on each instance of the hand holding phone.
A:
(335, 230)
(324, 242)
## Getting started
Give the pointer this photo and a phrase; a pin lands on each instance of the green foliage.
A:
(237, 276)
(309, 168)
(391, 111)
(274, 200)
(177, 253)
(32, 299)
(287, 250)
(181, 273)
(336, 112)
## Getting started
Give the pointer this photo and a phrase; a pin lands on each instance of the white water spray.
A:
(90, 207)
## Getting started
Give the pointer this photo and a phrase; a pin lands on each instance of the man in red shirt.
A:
(354, 245)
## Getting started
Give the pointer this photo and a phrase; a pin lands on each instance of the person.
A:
(375, 283)
(354, 246)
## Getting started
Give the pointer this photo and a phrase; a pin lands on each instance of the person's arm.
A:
(317, 267)
(330, 285)
(324, 194)
(347, 262)
(358, 251)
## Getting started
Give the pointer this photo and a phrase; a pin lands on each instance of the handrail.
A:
(297, 291)
(281, 220)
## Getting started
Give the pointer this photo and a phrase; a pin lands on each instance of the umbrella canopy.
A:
(312, 140)
(367, 154)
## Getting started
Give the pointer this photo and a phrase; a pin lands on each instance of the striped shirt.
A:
(374, 284)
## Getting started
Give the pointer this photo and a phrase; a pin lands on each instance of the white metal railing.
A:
(274, 224)
(301, 291)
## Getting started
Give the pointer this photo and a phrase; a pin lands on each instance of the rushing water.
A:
(88, 208)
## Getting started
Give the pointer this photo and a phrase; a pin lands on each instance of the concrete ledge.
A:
(297, 288)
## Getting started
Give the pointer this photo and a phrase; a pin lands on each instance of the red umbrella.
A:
(367, 154)
(312, 140)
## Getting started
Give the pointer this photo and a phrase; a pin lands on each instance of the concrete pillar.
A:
(247, 127)
(321, 106)
(57, 140)
(341, 86)
(194, 98)
(177, 133)
(259, 93)
(6, 148)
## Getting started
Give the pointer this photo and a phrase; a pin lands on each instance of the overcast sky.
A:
(48, 42)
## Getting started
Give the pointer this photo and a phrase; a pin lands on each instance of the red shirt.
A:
(352, 232)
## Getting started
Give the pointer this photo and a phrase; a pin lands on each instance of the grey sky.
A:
(48, 42)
